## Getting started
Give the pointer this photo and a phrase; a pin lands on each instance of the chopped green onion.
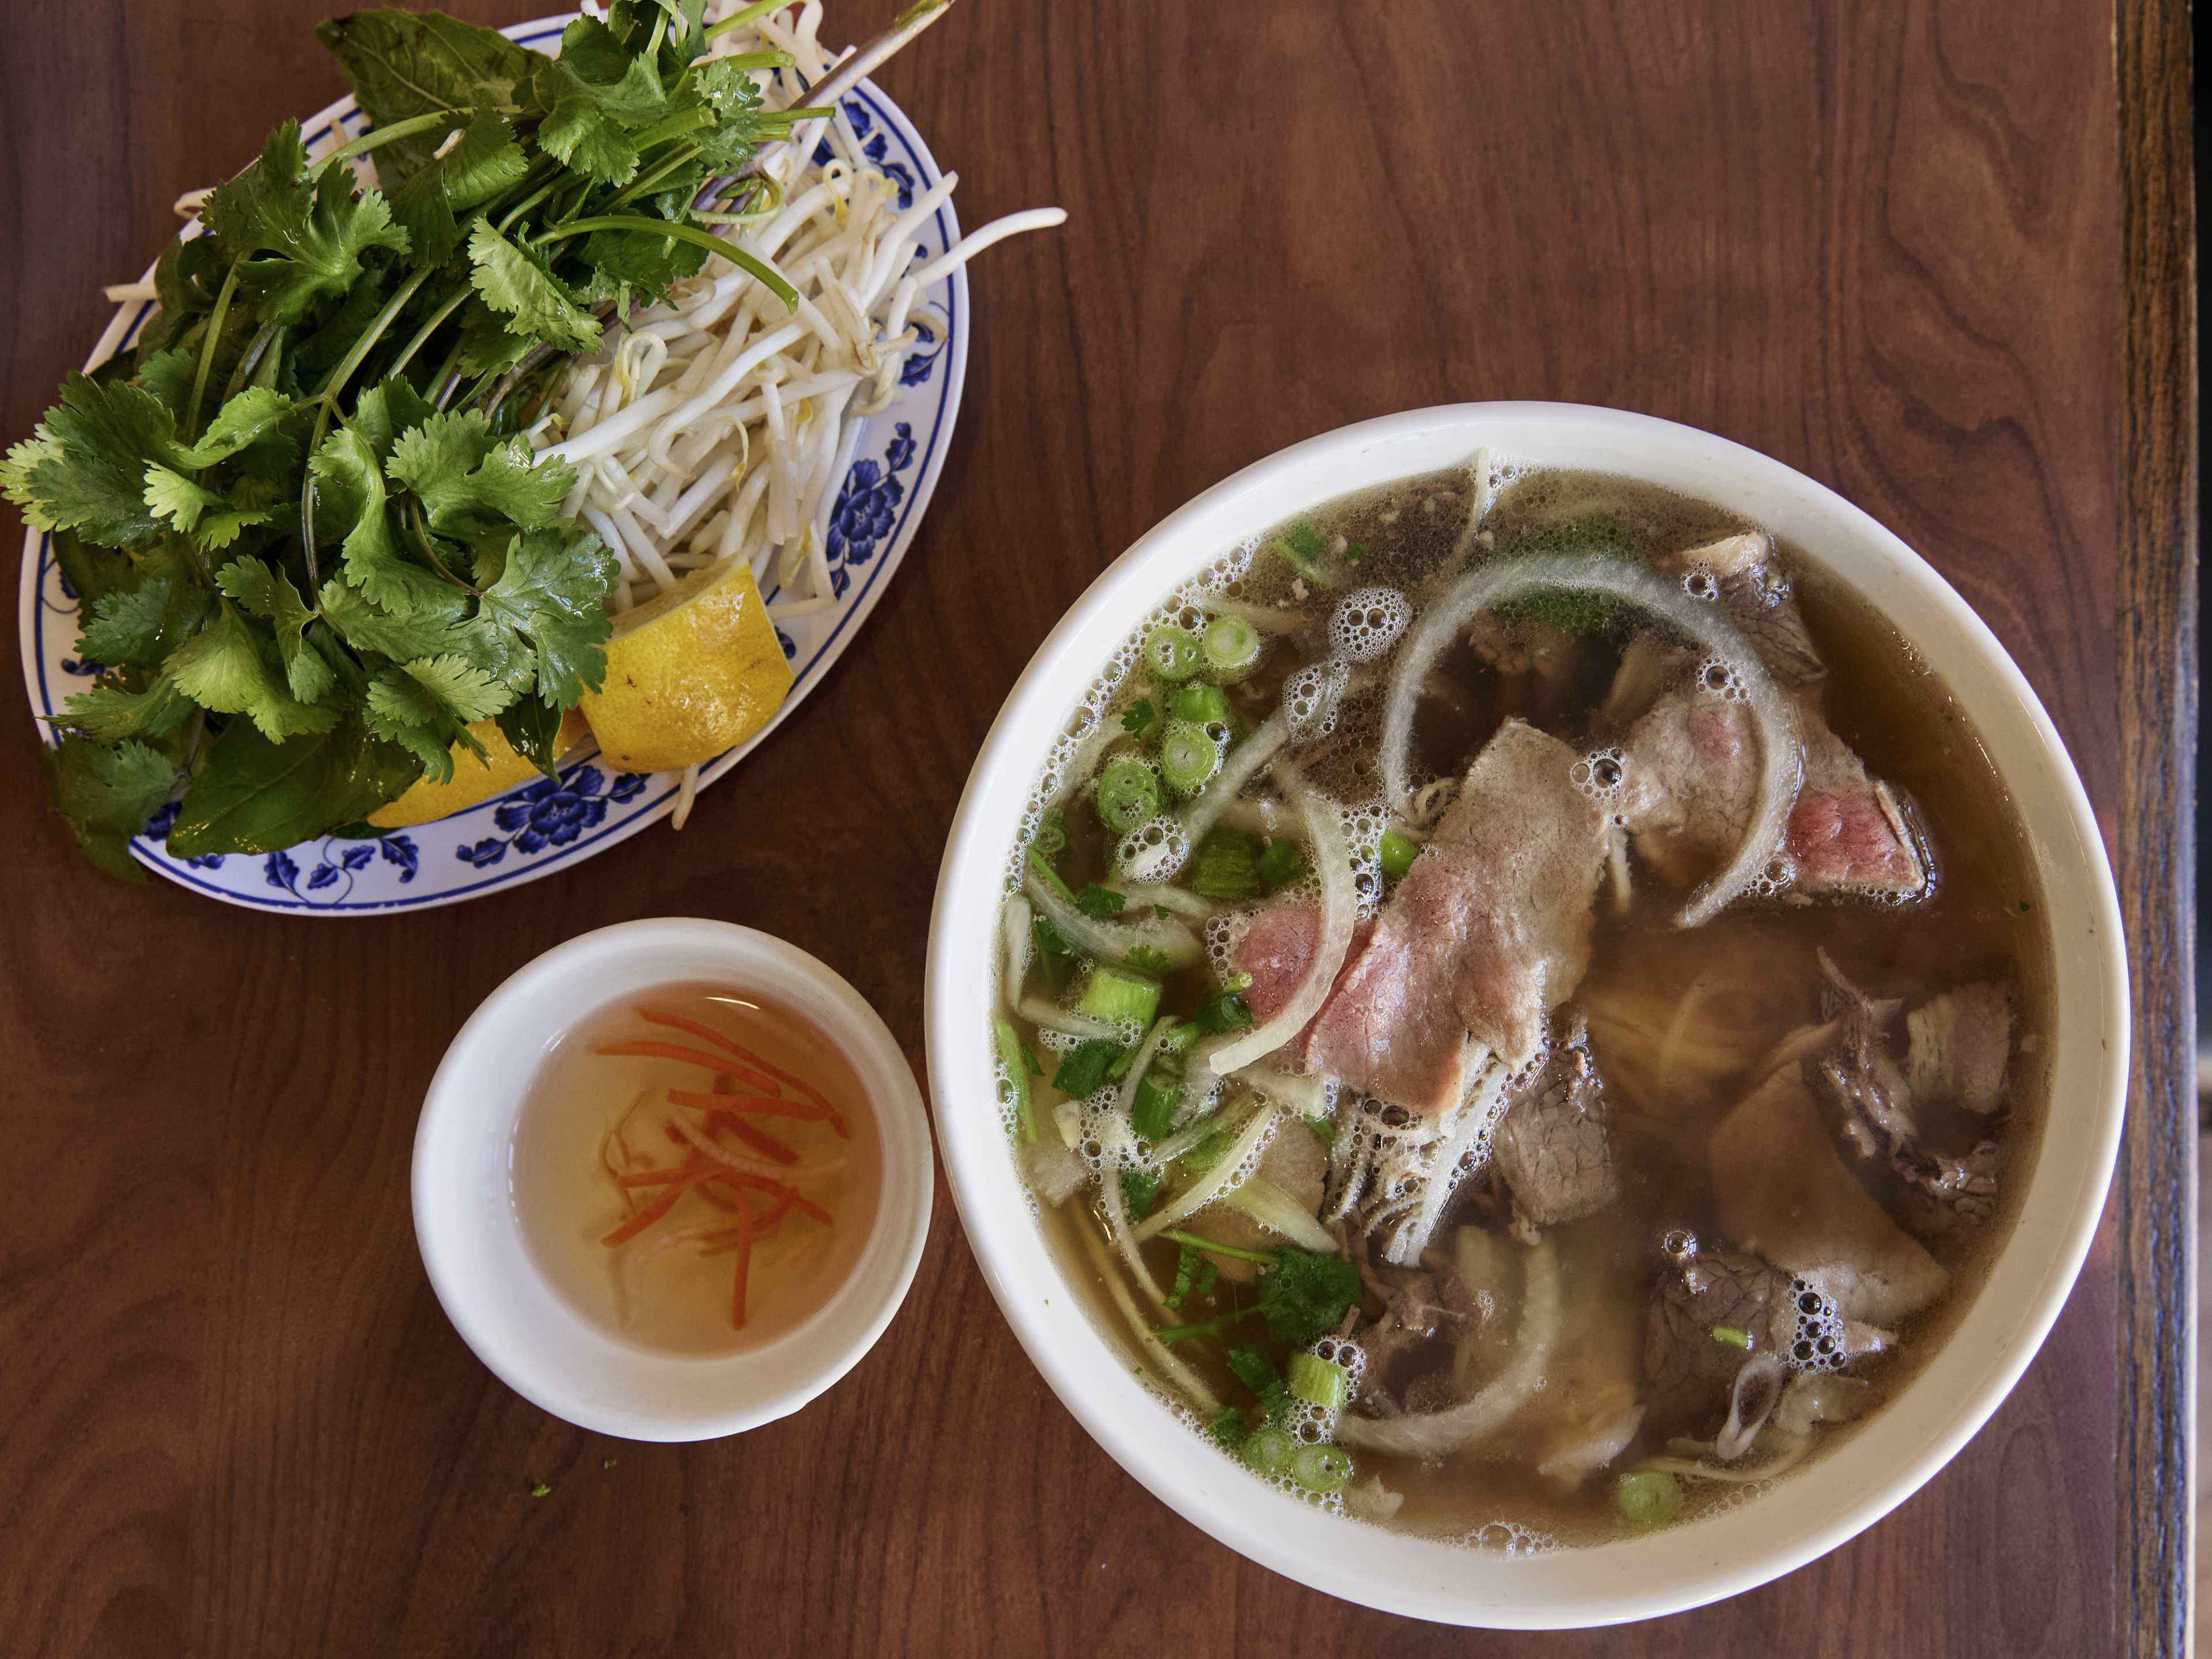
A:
(1321, 1469)
(1201, 704)
(1324, 1131)
(1270, 1450)
(1231, 646)
(1283, 863)
(1159, 1097)
(1226, 867)
(1051, 838)
(1188, 756)
(1730, 1336)
(1649, 1498)
(1128, 795)
(1119, 997)
(1397, 855)
(1319, 1381)
(1083, 1068)
(1172, 652)
(1015, 1091)
(1234, 1252)
(1178, 1039)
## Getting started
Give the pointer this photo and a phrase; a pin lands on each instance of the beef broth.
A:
(1595, 1219)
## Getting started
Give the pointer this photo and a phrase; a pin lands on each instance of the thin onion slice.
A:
(1158, 863)
(1181, 900)
(1038, 1011)
(1758, 1390)
(1432, 1434)
(1125, 1096)
(1217, 1180)
(1340, 909)
(1015, 938)
(1279, 1213)
(1780, 755)
(1175, 944)
(1479, 1104)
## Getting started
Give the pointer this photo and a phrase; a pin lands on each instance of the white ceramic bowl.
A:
(1919, 1430)
(473, 1249)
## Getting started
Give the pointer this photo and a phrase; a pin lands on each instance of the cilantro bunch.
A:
(309, 548)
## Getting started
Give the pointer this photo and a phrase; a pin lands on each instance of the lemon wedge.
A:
(689, 674)
(473, 779)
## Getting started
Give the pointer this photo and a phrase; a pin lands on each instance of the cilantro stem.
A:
(423, 333)
(645, 182)
(766, 273)
(207, 350)
(327, 405)
(738, 20)
(1235, 1252)
(377, 137)
(677, 126)
(1203, 1328)
(244, 372)
(418, 530)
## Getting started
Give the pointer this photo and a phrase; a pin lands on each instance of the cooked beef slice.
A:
(1782, 1190)
(1276, 948)
(1551, 1145)
(1485, 936)
(1960, 1044)
(1688, 1369)
(1751, 588)
(1871, 1104)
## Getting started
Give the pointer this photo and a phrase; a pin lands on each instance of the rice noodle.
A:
(1340, 905)
(1158, 863)
(1171, 1367)
(1218, 1179)
(1115, 941)
(1432, 1434)
(1781, 759)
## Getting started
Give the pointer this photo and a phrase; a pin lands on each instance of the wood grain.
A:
(2157, 1187)
(1880, 240)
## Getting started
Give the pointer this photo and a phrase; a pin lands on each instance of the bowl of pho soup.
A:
(1527, 1016)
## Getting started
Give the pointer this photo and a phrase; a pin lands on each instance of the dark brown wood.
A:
(1880, 240)
(2156, 1190)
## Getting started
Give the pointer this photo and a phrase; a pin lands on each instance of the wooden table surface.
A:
(1933, 253)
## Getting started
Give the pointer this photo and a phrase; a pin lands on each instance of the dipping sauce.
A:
(697, 1170)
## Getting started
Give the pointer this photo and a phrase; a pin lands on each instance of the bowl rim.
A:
(1692, 1563)
(725, 1394)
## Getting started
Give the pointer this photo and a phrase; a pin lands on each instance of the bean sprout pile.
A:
(718, 426)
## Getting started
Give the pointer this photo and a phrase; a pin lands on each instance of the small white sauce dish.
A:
(1950, 1397)
(480, 1266)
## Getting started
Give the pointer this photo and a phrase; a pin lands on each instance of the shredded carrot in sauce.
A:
(661, 1017)
(708, 1171)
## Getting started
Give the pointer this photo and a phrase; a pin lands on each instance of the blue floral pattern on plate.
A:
(542, 826)
(550, 813)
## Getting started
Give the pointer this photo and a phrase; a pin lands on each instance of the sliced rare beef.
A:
(1748, 583)
(1691, 779)
(1871, 1105)
(1484, 937)
(1551, 1143)
(1275, 949)
(1692, 753)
